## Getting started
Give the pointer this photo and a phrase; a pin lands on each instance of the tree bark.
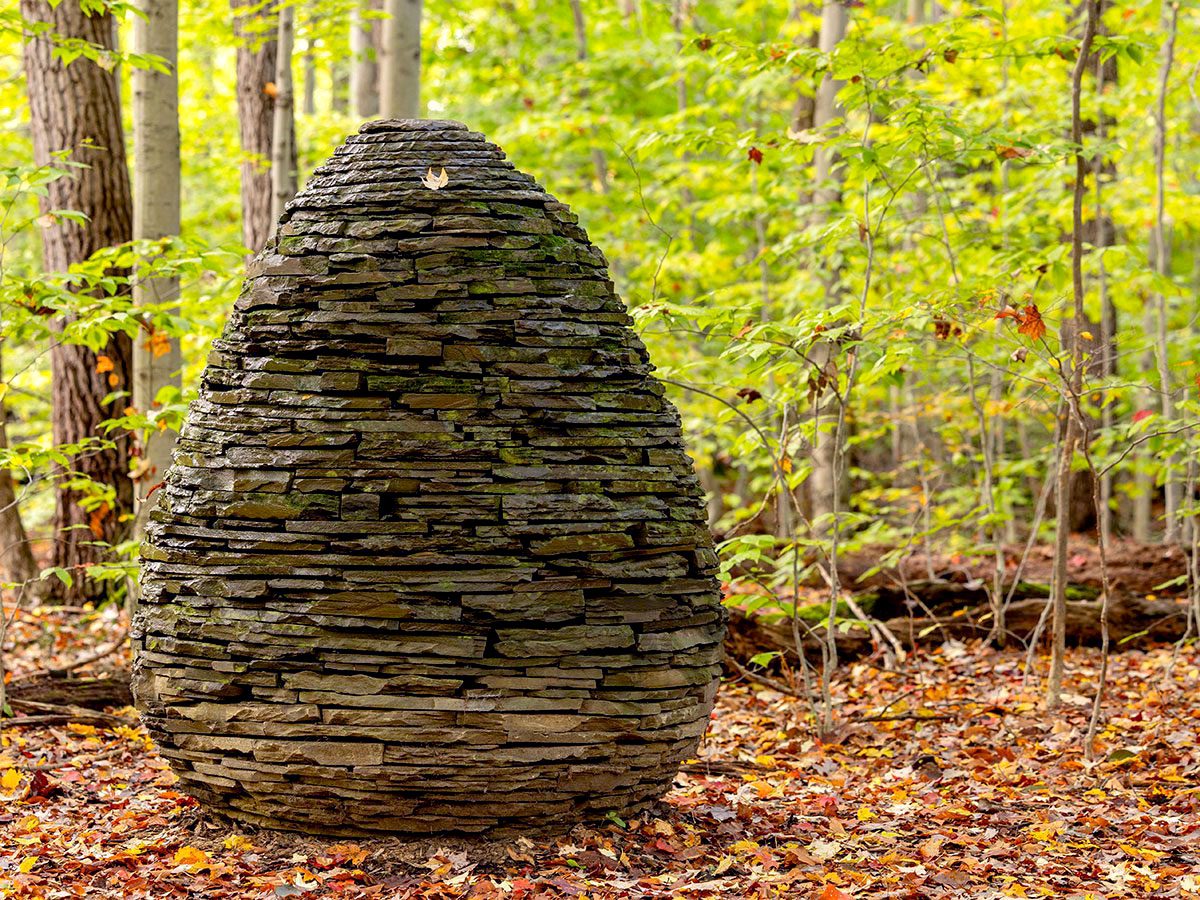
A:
(400, 65)
(309, 106)
(76, 108)
(16, 553)
(364, 67)
(1172, 493)
(1072, 373)
(823, 486)
(283, 122)
(339, 87)
(156, 193)
(599, 163)
(256, 54)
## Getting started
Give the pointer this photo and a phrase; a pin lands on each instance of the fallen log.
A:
(111, 689)
(1132, 620)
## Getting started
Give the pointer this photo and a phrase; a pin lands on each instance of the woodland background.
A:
(920, 277)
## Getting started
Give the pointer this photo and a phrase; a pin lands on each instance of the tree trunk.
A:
(283, 124)
(16, 553)
(339, 87)
(1172, 493)
(76, 108)
(400, 66)
(309, 106)
(823, 486)
(256, 54)
(364, 66)
(156, 189)
(599, 163)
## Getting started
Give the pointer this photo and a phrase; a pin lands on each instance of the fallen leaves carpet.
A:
(946, 779)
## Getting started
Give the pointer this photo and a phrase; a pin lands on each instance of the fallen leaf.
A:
(435, 182)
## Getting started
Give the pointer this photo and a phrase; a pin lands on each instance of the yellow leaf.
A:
(723, 865)
(191, 856)
(238, 842)
(865, 815)
(10, 779)
(28, 863)
(130, 734)
(87, 730)
(1086, 335)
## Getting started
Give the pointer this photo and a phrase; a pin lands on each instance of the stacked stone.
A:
(432, 556)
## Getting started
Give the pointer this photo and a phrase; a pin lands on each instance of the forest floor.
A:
(945, 779)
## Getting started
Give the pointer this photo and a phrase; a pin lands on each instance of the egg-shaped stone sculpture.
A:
(431, 556)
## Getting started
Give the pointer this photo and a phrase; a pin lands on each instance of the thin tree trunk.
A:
(365, 36)
(156, 189)
(76, 108)
(309, 105)
(823, 483)
(283, 122)
(339, 87)
(16, 552)
(599, 163)
(1073, 377)
(400, 65)
(256, 54)
(1171, 487)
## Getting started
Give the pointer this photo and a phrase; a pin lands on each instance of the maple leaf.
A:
(755, 156)
(10, 779)
(1030, 323)
(435, 182)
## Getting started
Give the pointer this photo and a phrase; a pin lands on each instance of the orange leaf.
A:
(832, 892)
(159, 343)
(271, 89)
(1032, 324)
(1007, 152)
(96, 520)
(104, 364)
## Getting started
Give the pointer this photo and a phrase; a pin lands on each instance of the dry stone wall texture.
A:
(432, 556)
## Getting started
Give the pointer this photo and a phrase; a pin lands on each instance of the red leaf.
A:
(832, 892)
(1032, 324)
(755, 155)
(1142, 415)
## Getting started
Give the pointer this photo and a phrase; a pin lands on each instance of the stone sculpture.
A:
(431, 556)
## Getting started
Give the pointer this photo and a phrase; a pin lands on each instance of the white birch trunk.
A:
(283, 173)
(364, 66)
(400, 66)
(156, 191)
